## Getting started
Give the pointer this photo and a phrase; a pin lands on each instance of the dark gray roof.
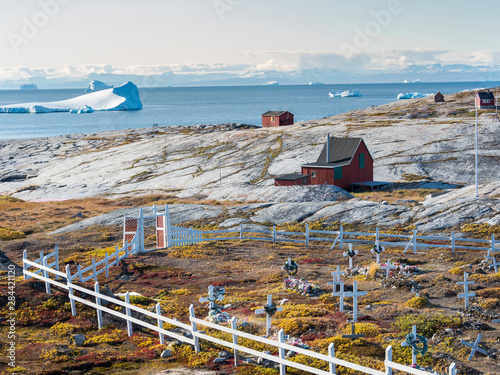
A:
(342, 150)
(485, 95)
(273, 113)
(292, 176)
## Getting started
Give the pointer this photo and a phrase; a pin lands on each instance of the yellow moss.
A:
(457, 271)
(368, 329)
(62, 329)
(295, 326)
(7, 234)
(417, 302)
(181, 292)
(486, 278)
(297, 311)
(113, 337)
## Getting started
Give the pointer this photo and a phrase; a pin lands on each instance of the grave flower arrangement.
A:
(377, 249)
(291, 267)
(290, 340)
(350, 253)
(218, 317)
(302, 286)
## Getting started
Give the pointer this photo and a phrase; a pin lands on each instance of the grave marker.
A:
(415, 288)
(466, 293)
(475, 347)
(351, 254)
(355, 294)
(269, 309)
(388, 268)
(413, 340)
(340, 294)
(377, 249)
(291, 267)
(336, 279)
(353, 334)
(213, 296)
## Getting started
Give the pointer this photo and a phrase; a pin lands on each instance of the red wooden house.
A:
(485, 100)
(292, 179)
(277, 118)
(342, 162)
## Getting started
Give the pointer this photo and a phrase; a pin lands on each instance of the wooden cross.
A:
(377, 246)
(353, 334)
(336, 279)
(212, 297)
(350, 252)
(340, 294)
(495, 263)
(263, 311)
(466, 293)
(287, 263)
(404, 343)
(475, 347)
(415, 287)
(355, 294)
(388, 268)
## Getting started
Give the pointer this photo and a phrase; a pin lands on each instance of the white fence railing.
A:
(43, 270)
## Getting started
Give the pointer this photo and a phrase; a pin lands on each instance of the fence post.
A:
(141, 230)
(281, 340)
(274, 233)
(493, 245)
(331, 353)
(106, 262)
(160, 324)
(56, 260)
(341, 241)
(126, 249)
(154, 210)
(241, 232)
(235, 342)
(377, 240)
(25, 267)
(453, 369)
(307, 235)
(388, 358)
(191, 236)
(414, 240)
(45, 274)
(98, 303)
(193, 330)
(94, 270)
(70, 291)
(169, 229)
(452, 241)
(127, 311)
(117, 256)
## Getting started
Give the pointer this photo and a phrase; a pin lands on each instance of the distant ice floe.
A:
(414, 81)
(344, 94)
(271, 83)
(123, 98)
(316, 83)
(97, 86)
(413, 95)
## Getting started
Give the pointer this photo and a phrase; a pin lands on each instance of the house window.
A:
(272, 119)
(304, 181)
(486, 101)
(337, 173)
(361, 161)
(313, 174)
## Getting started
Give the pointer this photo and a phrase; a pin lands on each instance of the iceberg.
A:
(344, 94)
(271, 83)
(97, 86)
(123, 98)
(412, 95)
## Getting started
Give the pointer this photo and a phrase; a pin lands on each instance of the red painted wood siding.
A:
(350, 173)
(283, 120)
(484, 103)
(278, 182)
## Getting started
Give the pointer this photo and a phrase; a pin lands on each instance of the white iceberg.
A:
(313, 83)
(123, 98)
(344, 94)
(271, 83)
(412, 95)
(97, 86)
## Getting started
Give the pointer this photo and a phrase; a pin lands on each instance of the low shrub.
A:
(7, 234)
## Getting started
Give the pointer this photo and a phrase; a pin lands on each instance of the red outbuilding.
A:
(292, 179)
(342, 162)
(277, 118)
(485, 100)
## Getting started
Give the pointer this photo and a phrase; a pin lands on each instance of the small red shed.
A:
(292, 179)
(438, 98)
(342, 162)
(277, 118)
(485, 100)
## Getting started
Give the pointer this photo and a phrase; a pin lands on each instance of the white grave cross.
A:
(377, 250)
(355, 294)
(388, 268)
(475, 347)
(404, 343)
(212, 297)
(350, 253)
(466, 293)
(336, 280)
(269, 315)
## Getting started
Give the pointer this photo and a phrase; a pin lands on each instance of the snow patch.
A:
(125, 97)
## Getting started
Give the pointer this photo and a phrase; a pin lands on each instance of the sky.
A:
(74, 38)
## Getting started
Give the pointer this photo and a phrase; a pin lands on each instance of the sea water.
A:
(170, 106)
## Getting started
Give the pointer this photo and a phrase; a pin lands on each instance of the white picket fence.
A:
(43, 270)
